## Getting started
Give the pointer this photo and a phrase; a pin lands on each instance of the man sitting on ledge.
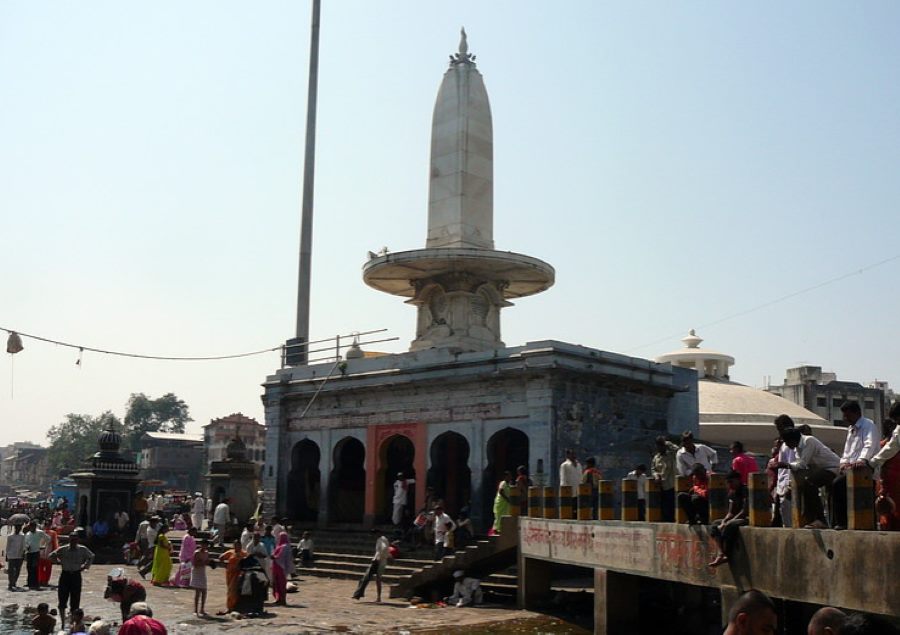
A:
(815, 466)
(695, 502)
(725, 530)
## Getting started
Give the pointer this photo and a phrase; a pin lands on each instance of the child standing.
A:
(198, 578)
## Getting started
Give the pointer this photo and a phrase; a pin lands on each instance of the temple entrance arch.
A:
(506, 450)
(449, 474)
(303, 482)
(396, 454)
(347, 485)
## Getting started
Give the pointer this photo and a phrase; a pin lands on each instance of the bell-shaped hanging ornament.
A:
(14, 343)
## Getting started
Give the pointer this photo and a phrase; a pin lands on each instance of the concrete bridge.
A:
(801, 569)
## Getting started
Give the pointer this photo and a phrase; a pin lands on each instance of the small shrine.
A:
(235, 478)
(106, 483)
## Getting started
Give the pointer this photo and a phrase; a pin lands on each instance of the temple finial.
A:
(462, 56)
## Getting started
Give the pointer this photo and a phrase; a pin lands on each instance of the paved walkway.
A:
(321, 606)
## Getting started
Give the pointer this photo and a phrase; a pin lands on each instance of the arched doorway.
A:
(506, 450)
(347, 485)
(396, 454)
(449, 474)
(303, 482)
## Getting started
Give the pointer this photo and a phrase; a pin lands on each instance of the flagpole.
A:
(300, 353)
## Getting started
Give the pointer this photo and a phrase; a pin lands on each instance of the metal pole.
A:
(309, 165)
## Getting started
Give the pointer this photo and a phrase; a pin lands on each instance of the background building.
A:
(218, 432)
(823, 394)
(171, 460)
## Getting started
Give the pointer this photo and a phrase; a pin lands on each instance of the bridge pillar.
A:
(615, 602)
(534, 582)
(606, 504)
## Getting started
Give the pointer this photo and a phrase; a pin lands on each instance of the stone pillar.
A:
(585, 502)
(534, 582)
(326, 457)
(276, 431)
(477, 449)
(615, 602)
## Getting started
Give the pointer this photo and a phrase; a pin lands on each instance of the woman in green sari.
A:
(162, 559)
(501, 500)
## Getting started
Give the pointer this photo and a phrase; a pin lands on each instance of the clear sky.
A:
(677, 162)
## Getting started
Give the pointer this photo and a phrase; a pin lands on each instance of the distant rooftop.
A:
(174, 436)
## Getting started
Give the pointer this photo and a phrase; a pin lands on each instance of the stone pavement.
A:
(320, 606)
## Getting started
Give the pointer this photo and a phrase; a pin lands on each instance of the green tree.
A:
(165, 414)
(74, 440)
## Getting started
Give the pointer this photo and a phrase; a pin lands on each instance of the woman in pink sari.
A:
(282, 567)
(182, 577)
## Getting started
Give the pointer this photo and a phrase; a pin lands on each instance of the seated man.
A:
(695, 502)
(815, 466)
(466, 591)
(725, 530)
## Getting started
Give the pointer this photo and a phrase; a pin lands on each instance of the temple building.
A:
(730, 411)
(461, 407)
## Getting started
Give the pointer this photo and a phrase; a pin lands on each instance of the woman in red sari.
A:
(887, 463)
(44, 565)
(282, 567)
(232, 559)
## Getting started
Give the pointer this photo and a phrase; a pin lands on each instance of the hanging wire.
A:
(81, 350)
(793, 294)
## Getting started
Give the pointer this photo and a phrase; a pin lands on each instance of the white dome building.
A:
(730, 411)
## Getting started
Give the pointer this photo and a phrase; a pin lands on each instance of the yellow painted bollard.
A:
(860, 498)
(718, 496)
(515, 500)
(535, 503)
(585, 502)
(549, 502)
(654, 502)
(682, 484)
(760, 501)
(606, 504)
(566, 502)
(629, 499)
(523, 500)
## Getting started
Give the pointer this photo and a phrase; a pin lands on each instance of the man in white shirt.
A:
(376, 567)
(247, 536)
(639, 474)
(221, 518)
(570, 470)
(15, 553)
(861, 444)
(815, 466)
(443, 525)
(692, 453)
(782, 492)
(35, 540)
(401, 495)
(198, 511)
